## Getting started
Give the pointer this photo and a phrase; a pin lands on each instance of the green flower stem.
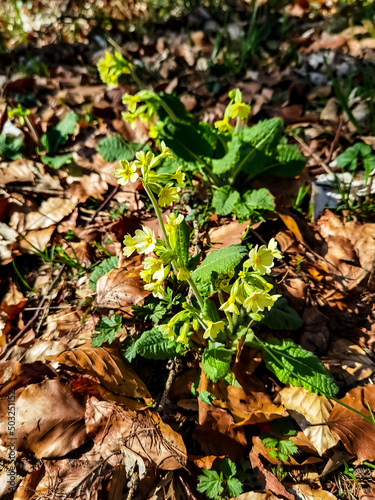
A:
(168, 110)
(238, 124)
(136, 79)
(174, 264)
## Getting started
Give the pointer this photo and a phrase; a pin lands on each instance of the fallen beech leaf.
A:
(266, 479)
(82, 251)
(8, 237)
(292, 225)
(144, 433)
(356, 432)
(16, 171)
(120, 288)
(253, 495)
(228, 234)
(107, 366)
(26, 489)
(50, 433)
(309, 410)
(348, 361)
(36, 240)
(306, 493)
(51, 212)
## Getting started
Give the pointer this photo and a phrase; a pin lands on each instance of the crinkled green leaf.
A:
(289, 161)
(106, 329)
(68, 124)
(228, 468)
(216, 361)
(286, 447)
(206, 397)
(102, 269)
(153, 344)
(270, 442)
(219, 261)
(295, 366)
(114, 148)
(234, 487)
(224, 200)
(229, 160)
(57, 161)
(210, 483)
(282, 317)
(11, 148)
(259, 199)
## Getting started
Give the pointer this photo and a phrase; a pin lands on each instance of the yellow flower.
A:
(165, 151)
(146, 275)
(260, 260)
(131, 101)
(238, 109)
(112, 67)
(144, 160)
(230, 306)
(168, 195)
(157, 289)
(259, 300)
(223, 125)
(129, 245)
(272, 246)
(183, 274)
(213, 328)
(125, 172)
(153, 132)
(184, 330)
(173, 222)
(145, 240)
(179, 176)
(167, 330)
(129, 118)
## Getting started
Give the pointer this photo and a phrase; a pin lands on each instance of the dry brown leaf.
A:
(68, 323)
(356, 432)
(49, 419)
(266, 479)
(36, 240)
(107, 366)
(12, 303)
(144, 433)
(227, 234)
(306, 493)
(348, 361)
(50, 212)
(308, 410)
(8, 237)
(253, 495)
(120, 288)
(16, 171)
(246, 407)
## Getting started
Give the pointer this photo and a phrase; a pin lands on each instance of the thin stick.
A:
(108, 198)
(336, 138)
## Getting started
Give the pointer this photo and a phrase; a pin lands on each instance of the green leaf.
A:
(270, 442)
(234, 487)
(210, 310)
(67, 126)
(183, 243)
(153, 344)
(228, 161)
(259, 199)
(57, 161)
(185, 141)
(228, 468)
(265, 135)
(368, 165)
(294, 365)
(206, 397)
(216, 361)
(106, 330)
(286, 447)
(102, 269)
(210, 483)
(289, 161)
(224, 200)
(282, 317)
(151, 311)
(11, 148)
(114, 148)
(219, 261)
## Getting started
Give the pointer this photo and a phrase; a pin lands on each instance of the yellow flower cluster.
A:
(160, 184)
(142, 105)
(235, 109)
(111, 67)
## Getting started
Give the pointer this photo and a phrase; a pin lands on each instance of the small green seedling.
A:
(279, 448)
(222, 484)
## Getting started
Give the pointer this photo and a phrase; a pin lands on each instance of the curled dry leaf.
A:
(267, 481)
(309, 410)
(348, 361)
(49, 419)
(120, 288)
(228, 234)
(107, 366)
(16, 171)
(50, 212)
(12, 303)
(8, 237)
(36, 240)
(356, 432)
(304, 492)
(253, 495)
(144, 433)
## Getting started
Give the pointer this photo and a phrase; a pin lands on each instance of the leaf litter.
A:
(89, 424)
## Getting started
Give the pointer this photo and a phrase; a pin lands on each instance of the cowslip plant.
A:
(230, 291)
(228, 154)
